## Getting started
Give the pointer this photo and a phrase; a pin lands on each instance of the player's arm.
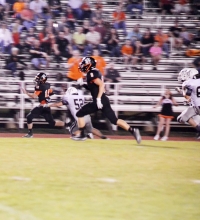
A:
(31, 95)
(174, 102)
(55, 104)
(99, 83)
(158, 103)
(82, 84)
(186, 91)
(51, 92)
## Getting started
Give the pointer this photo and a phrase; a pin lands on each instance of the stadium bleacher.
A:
(139, 89)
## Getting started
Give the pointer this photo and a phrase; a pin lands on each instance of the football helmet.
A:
(87, 64)
(41, 78)
(187, 73)
(71, 91)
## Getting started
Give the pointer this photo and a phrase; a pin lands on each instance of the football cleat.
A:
(105, 138)
(90, 136)
(136, 134)
(198, 136)
(28, 135)
(79, 137)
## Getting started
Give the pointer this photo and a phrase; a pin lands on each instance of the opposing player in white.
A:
(190, 79)
(74, 100)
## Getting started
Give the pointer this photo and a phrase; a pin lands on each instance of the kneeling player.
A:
(100, 101)
(43, 92)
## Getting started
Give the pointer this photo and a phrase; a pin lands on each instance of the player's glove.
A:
(99, 104)
(80, 81)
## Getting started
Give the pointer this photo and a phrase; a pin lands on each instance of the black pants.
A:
(41, 111)
(106, 110)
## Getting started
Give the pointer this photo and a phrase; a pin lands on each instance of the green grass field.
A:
(59, 179)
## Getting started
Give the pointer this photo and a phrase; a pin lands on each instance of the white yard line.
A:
(18, 214)
(196, 181)
(20, 178)
(107, 180)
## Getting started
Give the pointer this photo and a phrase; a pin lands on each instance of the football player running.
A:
(100, 101)
(43, 93)
(190, 79)
(74, 100)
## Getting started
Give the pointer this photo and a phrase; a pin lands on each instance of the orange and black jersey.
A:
(43, 91)
(91, 76)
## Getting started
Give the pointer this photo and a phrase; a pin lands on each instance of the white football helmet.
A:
(71, 91)
(187, 73)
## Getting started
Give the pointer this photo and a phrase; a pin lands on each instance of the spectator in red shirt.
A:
(119, 19)
(100, 28)
(47, 39)
(27, 17)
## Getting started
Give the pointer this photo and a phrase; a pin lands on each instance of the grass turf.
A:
(50, 179)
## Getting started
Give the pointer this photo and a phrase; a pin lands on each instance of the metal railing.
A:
(120, 103)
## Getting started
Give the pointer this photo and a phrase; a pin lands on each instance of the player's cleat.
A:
(164, 138)
(105, 138)
(90, 136)
(198, 136)
(156, 137)
(79, 138)
(136, 134)
(28, 135)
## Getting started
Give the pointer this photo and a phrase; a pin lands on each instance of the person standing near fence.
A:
(166, 114)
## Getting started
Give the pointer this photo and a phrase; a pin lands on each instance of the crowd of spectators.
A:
(76, 30)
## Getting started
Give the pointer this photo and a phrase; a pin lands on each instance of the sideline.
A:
(112, 137)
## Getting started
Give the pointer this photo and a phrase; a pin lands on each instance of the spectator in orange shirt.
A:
(119, 19)
(162, 41)
(18, 7)
(73, 64)
(127, 51)
(101, 63)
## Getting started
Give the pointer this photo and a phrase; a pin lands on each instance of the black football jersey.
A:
(43, 91)
(91, 76)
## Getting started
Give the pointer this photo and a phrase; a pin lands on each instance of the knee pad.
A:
(29, 118)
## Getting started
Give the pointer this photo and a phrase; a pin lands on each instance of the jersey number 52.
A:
(78, 103)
